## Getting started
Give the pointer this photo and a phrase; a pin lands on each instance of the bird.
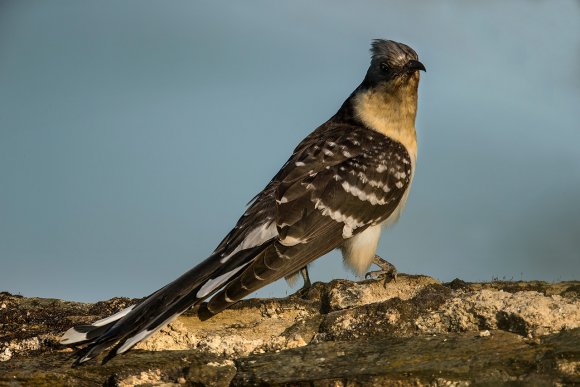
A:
(342, 184)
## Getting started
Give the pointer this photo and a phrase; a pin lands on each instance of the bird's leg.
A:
(303, 291)
(306, 278)
(388, 270)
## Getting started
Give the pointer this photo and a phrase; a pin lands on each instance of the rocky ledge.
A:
(415, 331)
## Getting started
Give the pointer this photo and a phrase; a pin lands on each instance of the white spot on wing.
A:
(375, 183)
(292, 241)
(254, 238)
(346, 232)
(216, 282)
(350, 223)
(362, 177)
(368, 197)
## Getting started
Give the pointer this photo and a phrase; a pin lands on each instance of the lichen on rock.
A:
(413, 331)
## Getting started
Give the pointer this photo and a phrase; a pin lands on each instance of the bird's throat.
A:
(390, 112)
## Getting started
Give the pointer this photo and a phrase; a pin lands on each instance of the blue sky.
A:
(133, 133)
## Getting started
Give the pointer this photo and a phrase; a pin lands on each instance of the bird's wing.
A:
(335, 185)
(340, 180)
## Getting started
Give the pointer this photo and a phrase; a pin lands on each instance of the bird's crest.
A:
(393, 52)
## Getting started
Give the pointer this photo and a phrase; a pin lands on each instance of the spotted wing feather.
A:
(332, 188)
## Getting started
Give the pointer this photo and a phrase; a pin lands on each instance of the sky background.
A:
(133, 133)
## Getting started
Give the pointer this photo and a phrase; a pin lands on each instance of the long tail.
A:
(137, 322)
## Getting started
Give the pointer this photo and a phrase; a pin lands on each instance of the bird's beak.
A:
(415, 65)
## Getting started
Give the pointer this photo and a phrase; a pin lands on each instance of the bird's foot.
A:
(388, 271)
(305, 290)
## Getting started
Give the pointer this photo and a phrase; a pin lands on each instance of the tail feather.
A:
(142, 335)
(138, 322)
(87, 333)
(82, 334)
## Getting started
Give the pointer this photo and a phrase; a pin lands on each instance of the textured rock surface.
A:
(415, 331)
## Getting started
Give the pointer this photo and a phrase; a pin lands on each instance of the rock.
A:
(528, 313)
(455, 359)
(415, 331)
(346, 294)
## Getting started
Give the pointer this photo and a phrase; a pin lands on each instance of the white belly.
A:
(358, 252)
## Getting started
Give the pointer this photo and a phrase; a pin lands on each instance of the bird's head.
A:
(386, 100)
(393, 65)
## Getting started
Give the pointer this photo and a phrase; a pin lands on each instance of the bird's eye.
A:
(384, 67)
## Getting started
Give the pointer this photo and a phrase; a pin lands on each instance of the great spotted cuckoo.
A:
(343, 183)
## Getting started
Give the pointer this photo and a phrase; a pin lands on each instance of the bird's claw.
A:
(388, 271)
(387, 275)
